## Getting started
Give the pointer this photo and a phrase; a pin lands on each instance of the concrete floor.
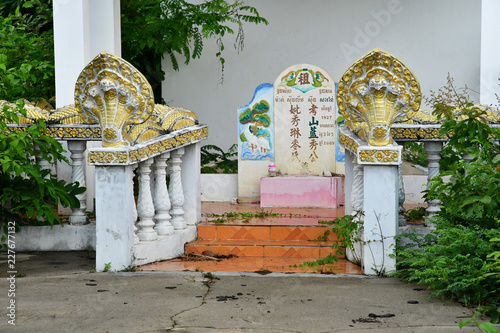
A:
(58, 292)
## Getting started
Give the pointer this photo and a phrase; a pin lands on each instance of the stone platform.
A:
(302, 191)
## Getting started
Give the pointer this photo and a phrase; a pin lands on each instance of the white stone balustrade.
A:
(166, 215)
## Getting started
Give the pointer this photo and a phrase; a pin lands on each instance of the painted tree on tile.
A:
(255, 132)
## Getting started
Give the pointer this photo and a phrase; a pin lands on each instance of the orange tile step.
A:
(261, 248)
(212, 231)
(253, 264)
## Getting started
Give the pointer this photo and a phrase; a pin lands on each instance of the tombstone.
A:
(305, 141)
(305, 121)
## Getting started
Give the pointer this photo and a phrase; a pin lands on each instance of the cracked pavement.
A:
(59, 294)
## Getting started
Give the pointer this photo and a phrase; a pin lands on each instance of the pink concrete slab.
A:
(297, 191)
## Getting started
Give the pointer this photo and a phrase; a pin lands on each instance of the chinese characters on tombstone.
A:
(305, 124)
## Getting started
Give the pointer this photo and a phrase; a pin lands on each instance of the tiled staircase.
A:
(279, 242)
(264, 237)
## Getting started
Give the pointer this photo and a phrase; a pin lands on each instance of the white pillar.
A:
(490, 48)
(114, 214)
(82, 29)
(381, 187)
(433, 150)
(191, 164)
(161, 200)
(77, 148)
(105, 31)
(145, 206)
(176, 190)
(71, 46)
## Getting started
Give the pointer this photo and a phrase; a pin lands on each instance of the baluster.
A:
(77, 148)
(176, 191)
(145, 207)
(401, 196)
(161, 199)
(433, 150)
(357, 193)
(43, 163)
(134, 207)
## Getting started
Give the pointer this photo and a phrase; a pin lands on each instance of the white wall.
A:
(431, 37)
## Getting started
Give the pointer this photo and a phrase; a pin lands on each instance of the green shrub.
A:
(29, 193)
(460, 258)
(26, 51)
(471, 197)
(452, 260)
(415, 153)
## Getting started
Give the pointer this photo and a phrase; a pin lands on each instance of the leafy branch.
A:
(153, 28)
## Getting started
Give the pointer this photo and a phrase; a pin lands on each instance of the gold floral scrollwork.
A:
(379, 132)
(109, 134)
(348, 142)
(366, 155)
(379, 156)
(134, 156)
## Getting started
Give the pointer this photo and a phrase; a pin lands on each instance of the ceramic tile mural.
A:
(255, 125)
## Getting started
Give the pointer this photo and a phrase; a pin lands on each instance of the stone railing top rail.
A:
(148, 149)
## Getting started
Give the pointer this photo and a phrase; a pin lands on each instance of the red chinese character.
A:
(295, 132)
(312, 109)
(295, 120)
(294, 110)
(313, 156)
(253, 147)
(304, 78)
(313, 144)
(295, 144)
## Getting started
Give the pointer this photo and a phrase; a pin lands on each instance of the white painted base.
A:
(165, 247)
(62, 237)
(381, 185)
(219, 187)
(249, 175)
